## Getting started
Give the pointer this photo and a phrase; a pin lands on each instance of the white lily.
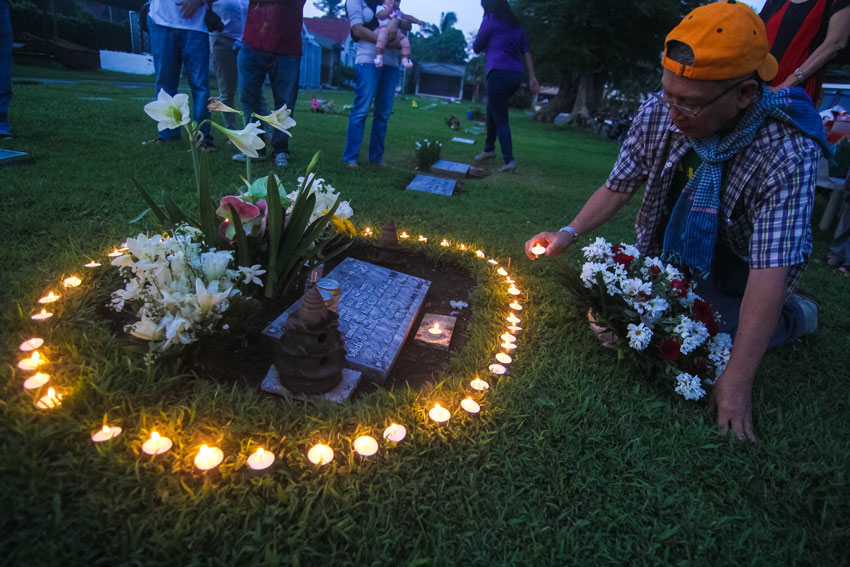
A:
(169, 111)
(247, 140)
(209, 298)
(280, 120)
(215, 105)
(147, 330)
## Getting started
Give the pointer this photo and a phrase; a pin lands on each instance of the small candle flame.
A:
(502, 272)
(444, 242)
(462, 246)
(49, 298)
(92, 264)
(72, 281)
(480, 253)
(436, 330)
(367, 231)
(422, 238)
(538, 249)
(403, 235)
(155, 436)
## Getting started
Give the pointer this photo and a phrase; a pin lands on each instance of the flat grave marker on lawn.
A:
(462, 140)
(342, 391)
(452, 169)
(377, 308)
(431, 184)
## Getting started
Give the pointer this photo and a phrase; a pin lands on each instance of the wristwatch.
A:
(799, 74)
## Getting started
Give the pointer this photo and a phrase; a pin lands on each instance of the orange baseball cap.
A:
(728, 40)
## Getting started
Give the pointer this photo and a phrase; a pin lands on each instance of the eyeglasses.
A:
(692, 112)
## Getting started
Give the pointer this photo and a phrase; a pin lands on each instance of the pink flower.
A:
(253, 217)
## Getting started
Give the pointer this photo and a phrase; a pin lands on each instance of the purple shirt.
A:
(504, 45)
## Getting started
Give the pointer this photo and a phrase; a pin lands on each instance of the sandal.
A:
(834, 260)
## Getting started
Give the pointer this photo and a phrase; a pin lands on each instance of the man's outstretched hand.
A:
(554, 242)
(734, 406)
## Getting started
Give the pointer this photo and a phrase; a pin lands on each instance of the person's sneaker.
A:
(509, 167)
(381, 163)
(351, 164)
(160, 141)
(208, 148)
(484, 156)
(242, 158)
(281, 159)
(808, 309)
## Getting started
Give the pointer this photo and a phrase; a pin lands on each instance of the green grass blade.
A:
(243, 255)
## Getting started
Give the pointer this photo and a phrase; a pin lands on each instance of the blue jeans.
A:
(370, 83)
(173, 49)
(283, 73)
(501, 86)
(5, 66)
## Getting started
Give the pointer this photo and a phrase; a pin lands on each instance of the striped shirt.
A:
(765, 202)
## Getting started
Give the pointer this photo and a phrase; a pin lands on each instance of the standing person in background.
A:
(506, 44)
(224, 47)
(371, 82)
(271, 46)
(5, 68)
(803, 36)
(179, 40)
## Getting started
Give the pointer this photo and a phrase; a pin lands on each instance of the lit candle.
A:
(493, 261)
(403, 235)
(439, 413)
(508, 338)
(395, 432)
(115, 253)
(105, 434)
(366, 232)
(444, 242)
(514, 328)
(503, 358)
(497, 369)
(462, 246)
(508, 280)
(49, 401)
(44, 314)
(480, 254)
(509, 346)
(511, 318)
(479, 384)
(260, 459)
(32, 362)
(72, 281)
(208, 458)
(436, 330)
(31, 344)
(422, 238)
(92, 264)
(157, 444)
(366, 446)
(36, 381)
(538, 249)
(470, 405)
(513, 290)
(515, 306)
(502, 272)
(320, 454)
(49, 298)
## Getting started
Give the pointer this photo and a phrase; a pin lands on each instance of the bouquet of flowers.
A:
(427, 154)
(178, 291)
(652, 308)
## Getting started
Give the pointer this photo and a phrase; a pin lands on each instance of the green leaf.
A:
(206, 207)
(243, 255)
(176, 215)
(312, 164)
(160, 215)
(140, 216)
(274, 226)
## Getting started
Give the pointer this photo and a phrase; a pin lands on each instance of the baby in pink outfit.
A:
(386, 13)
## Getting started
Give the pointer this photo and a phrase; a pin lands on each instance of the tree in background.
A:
(586, 46)
(441, 43)
(331, 8)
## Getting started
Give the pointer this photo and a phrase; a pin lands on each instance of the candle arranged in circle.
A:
(470, 405)
(49, 401)
(422, 238)
(480, 254)
(462, 246)
(36, 381)
(49, 298)
(208, 457)
(157, 444)
(479, 384)
(115, 253)
(92, 264)
(366, 446)
(514, 328)
(260, 459)
(444, 242)
(538, 249)
(435, 330)
(105, 434)
(395, 432)
(31, 344)
(497, 369)
(509, 346)
(503, 358)
(512, 319)
(515, 306)
(493, 261)
(32, 362)
(508, 338)
(513, 290)
(502, 272)
(367, 231)
(320, 454)
(42, 315)
(72, 281)
(403, 235)
(439, 414)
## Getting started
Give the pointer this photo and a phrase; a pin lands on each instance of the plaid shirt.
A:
(767, 195)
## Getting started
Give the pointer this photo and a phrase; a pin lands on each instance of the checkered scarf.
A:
(692, 230)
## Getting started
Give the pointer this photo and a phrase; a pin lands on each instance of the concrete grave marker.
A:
(431, 184)
(462, 140)
(377, 308)
(452, 169)
(342, 391)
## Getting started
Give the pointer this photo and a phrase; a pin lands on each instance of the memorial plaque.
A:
(460, 140)
(453, 169)
(342, 391)
(431, 184)
(377, 308)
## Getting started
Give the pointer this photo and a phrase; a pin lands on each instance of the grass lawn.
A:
(572, 462)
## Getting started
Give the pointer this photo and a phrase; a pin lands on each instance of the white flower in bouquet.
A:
(719, 347)
(344, 210)
(247, 140)
(214, 263)
(689, 299)
(632, 287)
(252, 274)
(598, 250)
(692, 333)
(169, 111)
(651, 310)
(326, 196)
(689, 386)
(209, 297)
(672, 273)
(146, 329)
(639, 336)
(279, 119)
(589, 271)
